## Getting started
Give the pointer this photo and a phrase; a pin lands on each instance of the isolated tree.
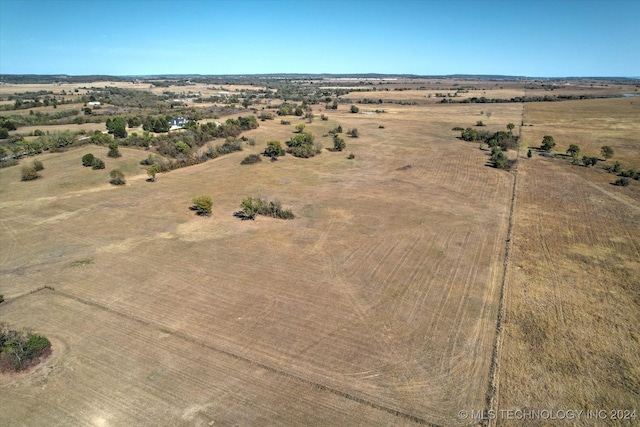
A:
(589, 161)
(87, 160)
(469, 134)
(97, 164)
(573, 151)
(547, 143)
(529, 154)
(338, 143)
(510, 127)
(355, 109)
(117, 177)
(202, 205)
(607, 152)
(113, 149)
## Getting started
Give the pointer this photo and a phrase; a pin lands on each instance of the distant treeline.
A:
(546, 98)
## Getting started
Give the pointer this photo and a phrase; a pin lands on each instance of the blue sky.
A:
(130, 37)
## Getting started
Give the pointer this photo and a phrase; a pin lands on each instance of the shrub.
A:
(38, 132)
(29, 173)
(151, 172)
(251, 159)
(113, 150)
(457, 128)
(616, 168)
(302, 145)
(251, 207)
(382, 127)
(300, 127)
(351, 156)
(338, 143)
(622, 182)
(274, 149)
(479, 123)
(1, 298)
(117, 177)
(37, 165)
(589, 161)
(353, 133)
(323, 117)
(285, 122)
(87, 160)
(469, 134)
(97, 164)
(202, 205)
(355, 109)
(529, 154)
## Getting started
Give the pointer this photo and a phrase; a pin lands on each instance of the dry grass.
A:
(376, 305)
(573, 304)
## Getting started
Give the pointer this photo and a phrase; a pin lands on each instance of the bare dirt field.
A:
(375, 306)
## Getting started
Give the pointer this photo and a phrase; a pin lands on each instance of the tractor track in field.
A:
(262, 365)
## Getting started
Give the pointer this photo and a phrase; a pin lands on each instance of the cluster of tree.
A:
(287, 109)
(124, 97)
(546, 98)
(40, 118)
(6, 125)
(117, 127)
(274, 149)
(16, 146)
(331, 105)
(89, 160)
(499, 159)
(251, 159)
(504, 140)
(253, 206)
(302, 145)
(19, 349)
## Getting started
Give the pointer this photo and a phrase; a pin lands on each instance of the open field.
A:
(411, 282)
(377, 305)
(573, 292)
